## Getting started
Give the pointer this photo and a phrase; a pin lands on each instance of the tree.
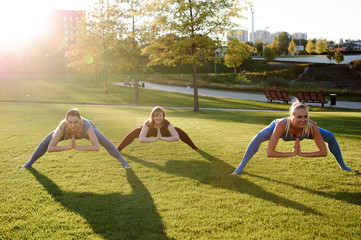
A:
(185, 31)
(310, 47)
(275, 46)
(249, 43)
(321, 46)
(132, 38)
(300, 42)
(292, 47)
(283, 41)
(101, 29)
(338, 56)
(269, 54)
(259, 46)
(83, 54)
(330, 53)
(237, 53)
(349, 48)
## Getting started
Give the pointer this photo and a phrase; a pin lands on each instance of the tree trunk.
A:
(135, 57)
(97, 78)
(106, 84)
(195, 88)
(136, 85)
(235, 70)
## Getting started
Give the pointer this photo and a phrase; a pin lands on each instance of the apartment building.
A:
(240, 34)
(267, 37)
(60, 30)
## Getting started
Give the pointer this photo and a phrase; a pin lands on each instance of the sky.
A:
(329, 19)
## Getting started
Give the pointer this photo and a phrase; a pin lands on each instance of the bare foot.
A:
(354, 171)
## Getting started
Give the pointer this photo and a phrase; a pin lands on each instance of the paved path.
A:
(233, 94)
(315, 59)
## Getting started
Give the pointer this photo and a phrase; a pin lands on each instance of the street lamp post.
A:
(67, 68)
(252, 11)
(265, 34)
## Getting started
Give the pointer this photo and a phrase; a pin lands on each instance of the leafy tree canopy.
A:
(269, 54)
(292, 47)
(187, 30)
(237, 53)
(283, 41)
(338, 56)
(321, 46)
(310, 47)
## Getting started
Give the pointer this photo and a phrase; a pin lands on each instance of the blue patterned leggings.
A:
(265, 134)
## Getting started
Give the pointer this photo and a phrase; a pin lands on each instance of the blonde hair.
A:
(156, 111)
(71, 112)
(307, 130)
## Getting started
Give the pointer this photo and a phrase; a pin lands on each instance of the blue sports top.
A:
(83, 134)
(288, 137)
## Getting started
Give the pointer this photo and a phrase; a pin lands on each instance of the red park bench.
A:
(277, 95)
(312, 97)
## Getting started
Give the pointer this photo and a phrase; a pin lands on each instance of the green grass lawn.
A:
(79, 89)
(172, 191)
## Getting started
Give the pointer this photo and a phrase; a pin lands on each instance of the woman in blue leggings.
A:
(296, 127)
(75, 127)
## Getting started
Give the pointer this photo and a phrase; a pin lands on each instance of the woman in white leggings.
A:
(75, 127)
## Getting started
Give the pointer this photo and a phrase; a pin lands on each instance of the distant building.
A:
(267, 37)
(299, 36)
(262, 35)
(240, 34)
(274, 35)
(60, 30)
(354, 45)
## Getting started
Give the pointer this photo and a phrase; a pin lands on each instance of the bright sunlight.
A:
(22, 21)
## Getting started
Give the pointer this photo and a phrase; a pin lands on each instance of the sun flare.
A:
(20, 23)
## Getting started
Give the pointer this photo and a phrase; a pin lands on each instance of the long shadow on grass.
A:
(217, 173)
(113, 216)
(354, 198)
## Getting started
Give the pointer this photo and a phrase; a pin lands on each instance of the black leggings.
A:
(135, 134)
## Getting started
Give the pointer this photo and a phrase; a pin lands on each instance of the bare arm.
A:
(271, 149)
(55, 140)
(173, 134)
(93, 140)
(322, 152)
(143, 135)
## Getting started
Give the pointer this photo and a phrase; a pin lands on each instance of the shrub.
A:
(357, 65)
(227, 79)
(275, 82)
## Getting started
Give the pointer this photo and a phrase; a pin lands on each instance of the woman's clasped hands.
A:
(297, 148)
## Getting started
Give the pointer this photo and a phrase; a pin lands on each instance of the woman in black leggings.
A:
(157, 127)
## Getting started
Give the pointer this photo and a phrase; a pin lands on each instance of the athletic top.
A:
(83, 134)
(152, 132)
(288, 137)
